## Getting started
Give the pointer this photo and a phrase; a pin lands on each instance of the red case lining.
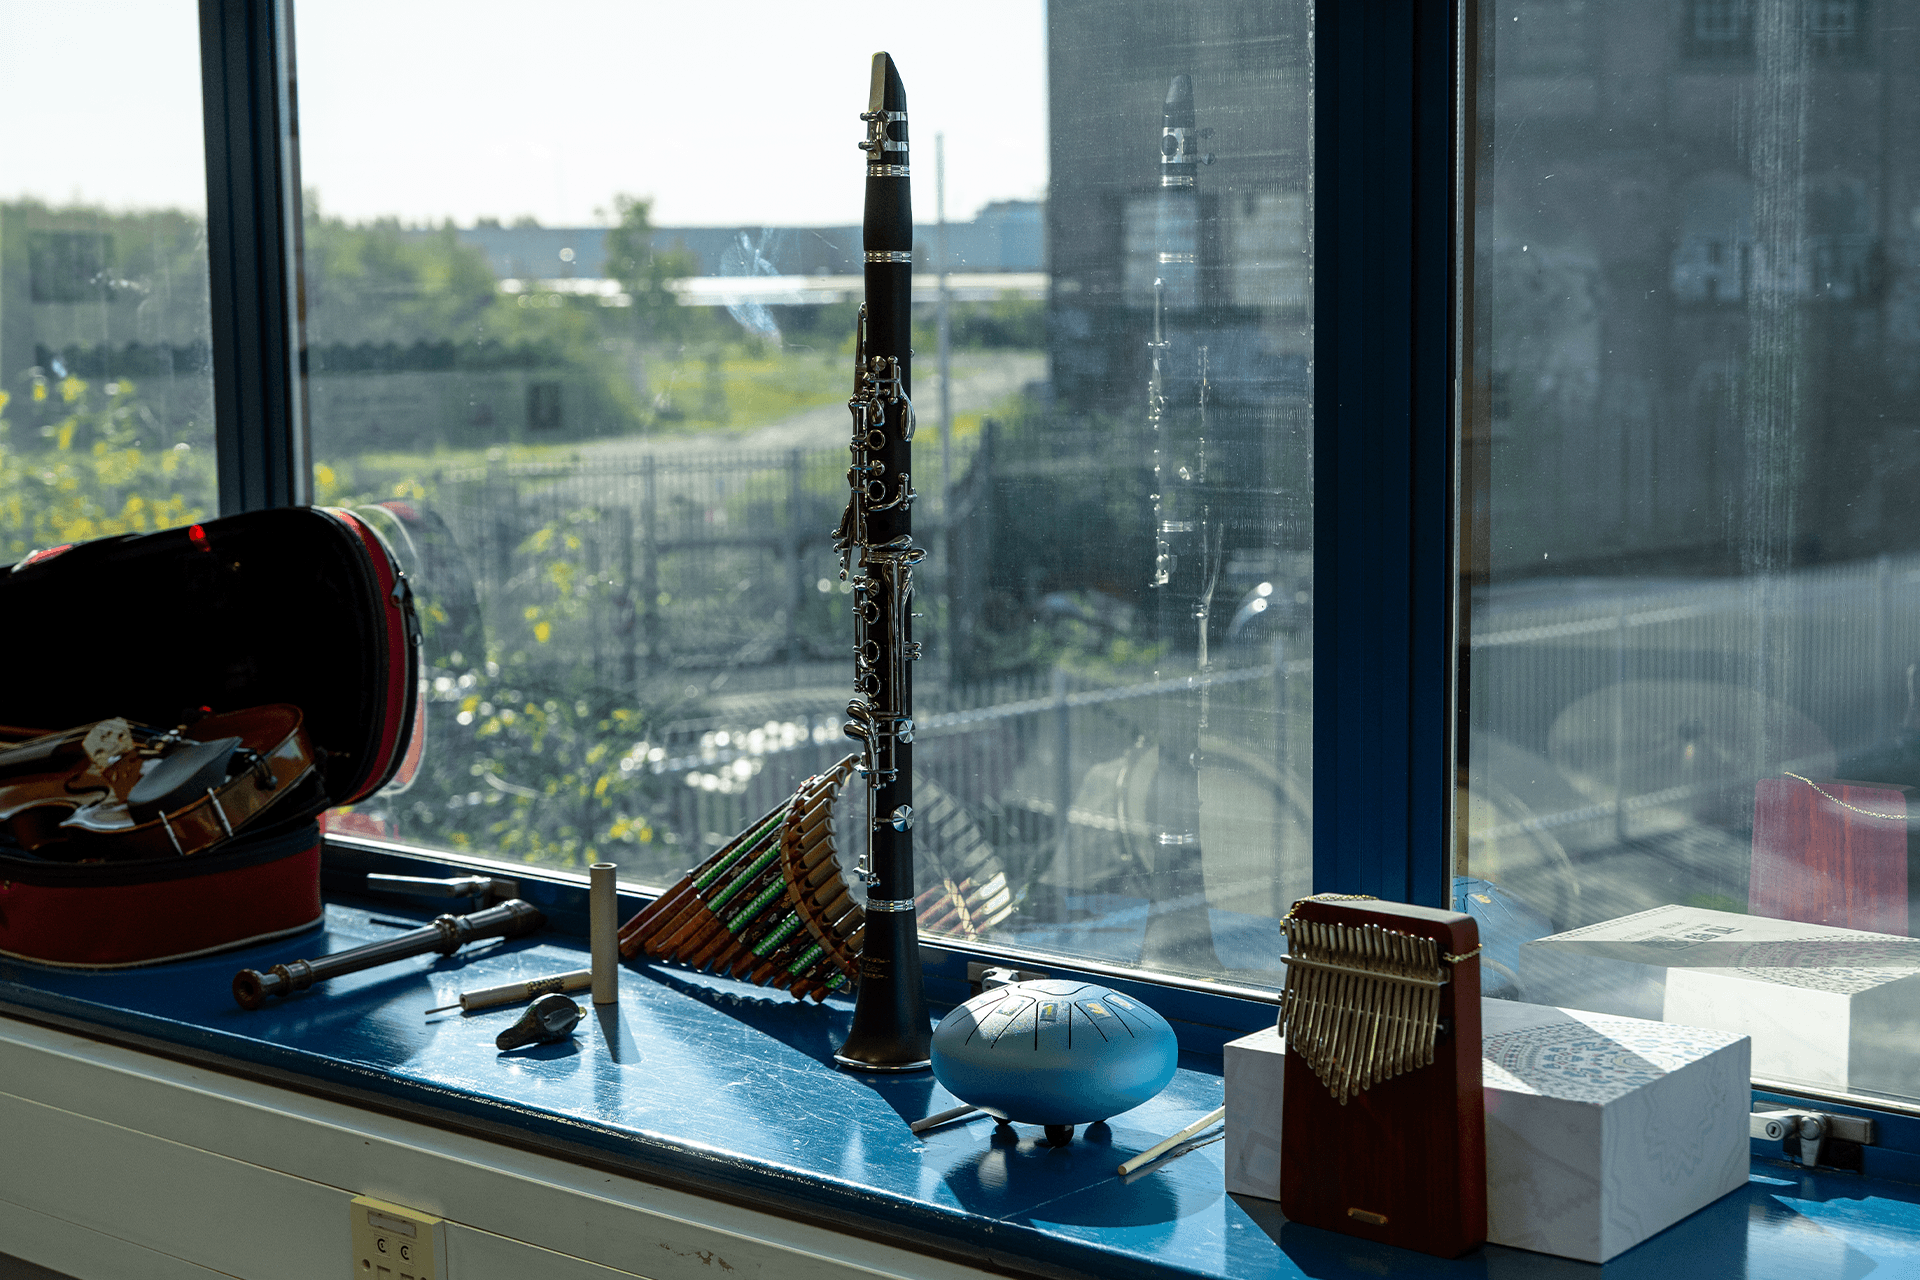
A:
(122, 925)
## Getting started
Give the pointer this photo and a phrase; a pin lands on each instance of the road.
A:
(981, 381)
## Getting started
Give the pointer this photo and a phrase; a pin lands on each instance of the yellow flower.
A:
(39, 391)
(543, 632)
(70, 388)
(4, 397)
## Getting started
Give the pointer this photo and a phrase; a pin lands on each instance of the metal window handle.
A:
(1813, 1128)
(451, 887)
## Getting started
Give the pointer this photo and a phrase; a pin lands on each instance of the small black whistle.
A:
(548, 1020)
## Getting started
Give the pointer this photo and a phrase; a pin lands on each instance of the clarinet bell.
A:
(548, 1020)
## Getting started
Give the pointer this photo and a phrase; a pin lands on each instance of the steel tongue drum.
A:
(1053, 1052)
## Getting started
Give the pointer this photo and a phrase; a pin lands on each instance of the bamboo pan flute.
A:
(771, 906)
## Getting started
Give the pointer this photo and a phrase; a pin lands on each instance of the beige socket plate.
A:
(393, 1242)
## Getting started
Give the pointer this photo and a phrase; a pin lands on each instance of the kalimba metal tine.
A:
(1406, 1009)
(1370, 996)
(1361, 1002)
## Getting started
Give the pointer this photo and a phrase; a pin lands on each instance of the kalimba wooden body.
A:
(1403, 1160)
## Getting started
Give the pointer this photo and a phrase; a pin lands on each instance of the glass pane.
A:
(596, 374)
(106, 391)
(1694, 730)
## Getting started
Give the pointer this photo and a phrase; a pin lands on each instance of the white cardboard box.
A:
(1833, 1008)
(1601, 1130)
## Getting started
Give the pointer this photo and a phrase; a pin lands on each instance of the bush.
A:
(80, 461)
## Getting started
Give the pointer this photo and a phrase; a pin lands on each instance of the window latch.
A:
(452, 887)
(1813, 1128)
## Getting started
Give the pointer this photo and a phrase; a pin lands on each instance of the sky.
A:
(738, 114)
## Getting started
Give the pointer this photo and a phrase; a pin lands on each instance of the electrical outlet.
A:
(393, 1242)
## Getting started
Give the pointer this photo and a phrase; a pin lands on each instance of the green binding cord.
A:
(753, 908)
(781, 932)
(741, 847)
(745, 878)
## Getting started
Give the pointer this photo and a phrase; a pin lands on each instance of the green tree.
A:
(646, 273)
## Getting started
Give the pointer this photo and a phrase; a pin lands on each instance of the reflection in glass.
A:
(1696, 609)
(616, 454)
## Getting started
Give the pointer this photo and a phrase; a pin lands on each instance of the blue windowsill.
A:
(720, 1087)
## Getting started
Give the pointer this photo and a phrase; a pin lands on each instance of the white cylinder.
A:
(603, 922)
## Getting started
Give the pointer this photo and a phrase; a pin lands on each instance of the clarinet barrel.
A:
(891, 1030)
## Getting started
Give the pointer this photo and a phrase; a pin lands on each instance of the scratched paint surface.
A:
(708, 1081)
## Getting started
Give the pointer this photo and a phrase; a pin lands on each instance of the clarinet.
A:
(891, 1029)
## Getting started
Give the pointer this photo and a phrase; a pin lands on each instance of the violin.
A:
(116, 789)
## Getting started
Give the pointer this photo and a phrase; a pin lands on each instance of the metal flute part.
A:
(447, 934)
(891, 1029)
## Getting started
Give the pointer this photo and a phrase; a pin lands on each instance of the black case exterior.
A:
(298, 605)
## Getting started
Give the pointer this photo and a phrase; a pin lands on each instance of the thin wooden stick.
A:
(939, 1118)
(1165, 1145)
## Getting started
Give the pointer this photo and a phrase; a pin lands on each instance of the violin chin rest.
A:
(183, 775)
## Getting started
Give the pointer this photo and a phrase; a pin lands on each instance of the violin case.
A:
(301, 606)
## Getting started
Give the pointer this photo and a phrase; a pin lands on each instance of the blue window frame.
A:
(1395, 151)
(1386, 143)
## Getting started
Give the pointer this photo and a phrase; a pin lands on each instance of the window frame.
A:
(254, 270)
(1388, 82)
(1397, 430)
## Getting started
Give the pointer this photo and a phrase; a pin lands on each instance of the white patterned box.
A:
(1828, 1007)
(1254, 1069)
(1601, 1130)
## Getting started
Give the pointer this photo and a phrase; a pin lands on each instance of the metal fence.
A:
(705, 562)
(704, 586)
(1012, 786)
(1601, 717)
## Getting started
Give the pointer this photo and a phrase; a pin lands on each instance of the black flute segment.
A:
(447, 934)
(891, 1027)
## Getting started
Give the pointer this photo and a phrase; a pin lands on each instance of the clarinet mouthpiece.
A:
(548, 1020)
(886, 92)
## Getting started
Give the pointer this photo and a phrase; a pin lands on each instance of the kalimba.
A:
(1383, 1128)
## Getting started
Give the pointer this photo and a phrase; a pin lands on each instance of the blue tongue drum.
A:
(1053, 1052)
